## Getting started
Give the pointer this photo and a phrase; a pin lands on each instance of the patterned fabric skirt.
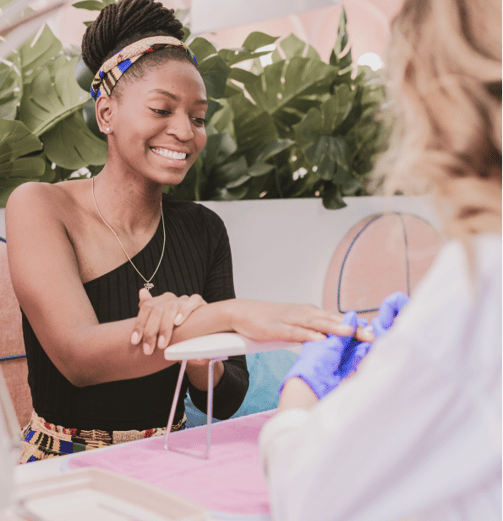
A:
(43, 440)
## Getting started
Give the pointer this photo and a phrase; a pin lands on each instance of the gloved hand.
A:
(390, 307)
(324, 364)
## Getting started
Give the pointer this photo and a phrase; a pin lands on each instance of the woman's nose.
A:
(181, 127)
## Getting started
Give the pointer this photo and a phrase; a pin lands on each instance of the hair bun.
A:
(125, 22)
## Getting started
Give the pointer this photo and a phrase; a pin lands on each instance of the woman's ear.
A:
(104, 114)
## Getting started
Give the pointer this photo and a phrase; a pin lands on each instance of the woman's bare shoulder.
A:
(45, 194)
(34, 202)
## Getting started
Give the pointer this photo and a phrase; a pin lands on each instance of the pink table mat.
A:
(230, 480)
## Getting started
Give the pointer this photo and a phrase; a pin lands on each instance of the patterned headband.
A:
(119, 63)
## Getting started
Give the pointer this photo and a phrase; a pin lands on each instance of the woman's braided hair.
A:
(120, 24)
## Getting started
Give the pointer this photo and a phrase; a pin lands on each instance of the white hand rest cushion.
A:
(223, 344)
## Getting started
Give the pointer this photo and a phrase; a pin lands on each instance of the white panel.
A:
(281, 248)
(211, 15)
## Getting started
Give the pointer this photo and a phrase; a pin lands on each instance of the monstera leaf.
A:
(71, 145)
(293, 46)
(289, 88)
(213, 67)
(252, 126)
(11, 87)
(341, 56)
(248, 51)
(52, 96)
(16, 142)
(37, 51)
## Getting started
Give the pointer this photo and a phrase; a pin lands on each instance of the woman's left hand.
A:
(181, 309)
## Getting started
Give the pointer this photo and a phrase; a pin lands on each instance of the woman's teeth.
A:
(171, 154)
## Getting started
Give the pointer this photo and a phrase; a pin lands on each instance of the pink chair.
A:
(12, 353)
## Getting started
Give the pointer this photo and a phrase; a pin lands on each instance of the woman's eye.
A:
(199, 121)
(161, 112)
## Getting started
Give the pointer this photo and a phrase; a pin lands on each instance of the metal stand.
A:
(209, 409)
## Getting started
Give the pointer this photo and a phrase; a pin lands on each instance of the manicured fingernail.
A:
(368, 333)
(178, 319)
(135, 338)
(161, 342)
(347, 329)
(146, 349)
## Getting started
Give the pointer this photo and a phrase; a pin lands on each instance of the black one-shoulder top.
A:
(197, 259)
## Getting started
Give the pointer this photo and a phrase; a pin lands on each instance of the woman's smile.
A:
(170, 154)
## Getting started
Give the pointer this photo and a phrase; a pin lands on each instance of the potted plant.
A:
(295, 128)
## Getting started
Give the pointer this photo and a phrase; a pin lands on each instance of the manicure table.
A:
(205, 473)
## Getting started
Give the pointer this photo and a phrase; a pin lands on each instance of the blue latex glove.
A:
(390, 307)
(324, 364)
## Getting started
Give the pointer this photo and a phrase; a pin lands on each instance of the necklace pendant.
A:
(148, 285)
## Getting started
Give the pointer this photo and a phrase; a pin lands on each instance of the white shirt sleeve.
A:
(408, 433)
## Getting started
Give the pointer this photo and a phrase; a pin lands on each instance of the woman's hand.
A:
(159, 315)
(291, 322)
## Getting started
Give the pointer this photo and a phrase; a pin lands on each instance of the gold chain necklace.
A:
(148, 285)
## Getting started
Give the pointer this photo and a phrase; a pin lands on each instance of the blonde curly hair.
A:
(445, 100)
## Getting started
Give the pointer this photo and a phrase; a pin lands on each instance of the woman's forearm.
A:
(102, 353)
(296, 395)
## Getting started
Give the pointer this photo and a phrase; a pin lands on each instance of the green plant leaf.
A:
(312, 53)
(226, 194)
(89, 115)
(248, 51)
(242, 75)
(16, 141)
(260, 169)
(341, 41)
(218, 148)
(233, 56)
(202, 48)
(330, 118)
(221, 121)
(215, 72)
(332, 198)
(89, 5)
(52, 96)
(11, 87)
(83, 75)
(213, 108)
(233, 174)
(343, 159)
(252, 126)
(284, 84)
(35, 54)
(331, 157)
(322, 153)
(273, 148)
(231, 89)
(292, 46)
(70, 144)
(256, 40)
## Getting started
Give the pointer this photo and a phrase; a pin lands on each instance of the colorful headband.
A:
(119, 63)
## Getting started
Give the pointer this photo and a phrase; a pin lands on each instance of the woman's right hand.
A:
(159, 315)
(290, 322)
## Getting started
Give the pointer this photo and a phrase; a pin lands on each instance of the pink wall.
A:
(367, 24)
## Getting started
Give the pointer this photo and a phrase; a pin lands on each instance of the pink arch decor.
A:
(381, 254)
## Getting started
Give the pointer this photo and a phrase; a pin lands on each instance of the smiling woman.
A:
(110, 271)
